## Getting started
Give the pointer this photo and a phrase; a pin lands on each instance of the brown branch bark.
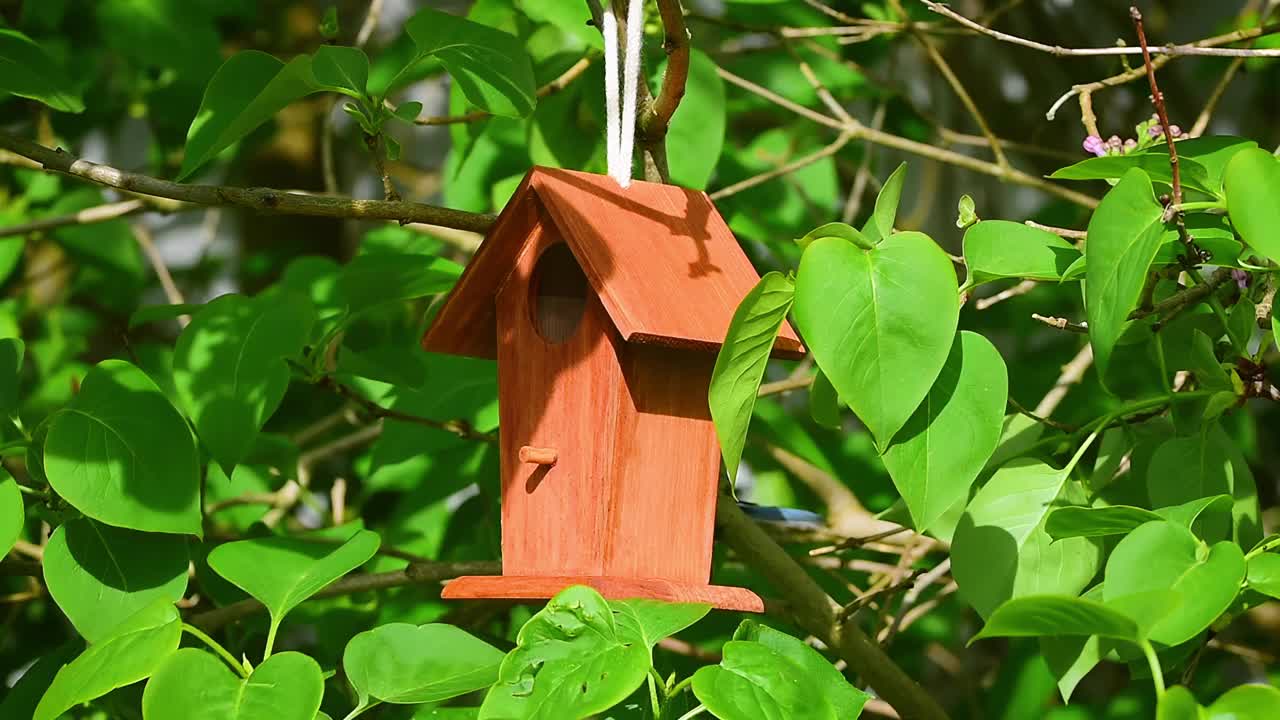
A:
(817, 613)
(264, 200)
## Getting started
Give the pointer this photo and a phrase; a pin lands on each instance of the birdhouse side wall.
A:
(666, 465)
(560, 397)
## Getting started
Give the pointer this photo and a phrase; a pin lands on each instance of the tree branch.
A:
(816, 612)
(88, 216)
(265, 200)
(657, 118)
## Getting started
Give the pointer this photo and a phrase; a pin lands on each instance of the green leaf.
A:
(1190, 469)
(229, 366)
(1263, 574)
(1154, 163)
(12, 512)
(410, 664)
(282, 572)
(408, 111)
(571, 661)
(966, 212)
(696, 134)
(938, 454)
(1178, 704)
(654, 620)
(491, 66)
(1124, 234)
(995, 249)
(341, 69)
(1068, 522)
(140, 645)
(121, 454)
(1164, 555)
(824, 402)
(101, 576)
(740, 365)
(880, 323)
(1001, 549)
(372, 280)
(880, 225)
(11, 353)
(1250, 177)
(194, 685)
(1214, 153)
(1200, 516)
(766, 674)
(248, 89)
(1245, 702)
(1049, 615)
(27, 71)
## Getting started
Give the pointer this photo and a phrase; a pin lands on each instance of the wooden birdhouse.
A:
(605, 309)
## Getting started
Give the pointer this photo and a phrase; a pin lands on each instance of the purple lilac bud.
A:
(1242, 279)
(1130, 145)
(1175, 131)
(1093, 144)
(1155, 131)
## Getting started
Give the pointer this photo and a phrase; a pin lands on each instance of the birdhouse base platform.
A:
(536, 587)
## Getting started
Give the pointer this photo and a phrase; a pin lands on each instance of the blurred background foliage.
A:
(143, 64)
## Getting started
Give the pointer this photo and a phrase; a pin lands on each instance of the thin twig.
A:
(88, 216)
(853, 205)
(655, 120)
(1062, 232)
(1021, 288)
(265, 200)
(142, 234)
(797, 164)
(1061, 323)
(1169, 50)
(574, 72)
(457, 427)
(1072, 373)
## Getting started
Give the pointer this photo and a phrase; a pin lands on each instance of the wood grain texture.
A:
(666, 463)
(562, 396)
(613, 588)
(663, 261)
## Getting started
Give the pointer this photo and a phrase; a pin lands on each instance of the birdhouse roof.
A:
(665, 265)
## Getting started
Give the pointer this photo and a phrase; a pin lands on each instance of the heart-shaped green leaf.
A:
(765, 674)
(281, 572)
(1164, 555)
(1124, 235)
(100, 575)
(937, 455)
(996, 249)
(1179, 704)
(139, 646)
(491, 66)
(194, 685)
(1245, 702)
(410, 664)
(248, 89)
(229, 366)
(1264, 574)
(571, 661)
(374, 279)
(1186, 470)
(654, 620)
(121, 454)
(1067, 522)
(1001, 550)
(1251, 175)
(735, 381)
(26, 70)
(880, 323)
(342, 69)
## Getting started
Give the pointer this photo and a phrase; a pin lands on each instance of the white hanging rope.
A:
(621, 121)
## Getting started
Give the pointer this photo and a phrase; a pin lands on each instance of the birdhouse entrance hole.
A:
(558, 294)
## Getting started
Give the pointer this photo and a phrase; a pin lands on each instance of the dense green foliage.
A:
(233, 481)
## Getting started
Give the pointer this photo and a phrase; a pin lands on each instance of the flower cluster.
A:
(1147, 134)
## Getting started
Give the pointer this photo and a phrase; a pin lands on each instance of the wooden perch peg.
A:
(538, 456)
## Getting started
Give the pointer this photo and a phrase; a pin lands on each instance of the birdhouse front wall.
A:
(558, 394)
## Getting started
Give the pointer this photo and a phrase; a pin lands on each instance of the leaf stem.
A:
(217, 648)
(680, 686)
(271, 639)
(1157, 675)
(359, 709)
(653, 692)
(694, 712)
